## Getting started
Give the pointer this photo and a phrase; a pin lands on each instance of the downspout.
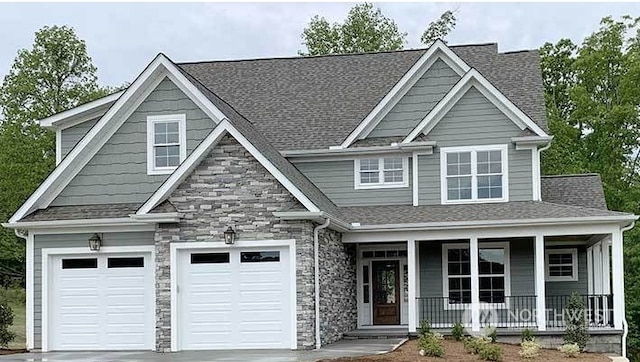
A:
(316, 276)
(540, 169)
(625, 325)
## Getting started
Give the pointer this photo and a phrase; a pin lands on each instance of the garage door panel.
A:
(242, 303)
(98, 307)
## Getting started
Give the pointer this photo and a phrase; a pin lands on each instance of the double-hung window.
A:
(474, 174)
(166, 143)
(381, 172)
(493, 273)
(562, 265)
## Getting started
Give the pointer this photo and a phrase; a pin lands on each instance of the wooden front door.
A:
(386, 292)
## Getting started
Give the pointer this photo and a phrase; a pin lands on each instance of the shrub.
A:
(431, 345)
(458, 331)
(529, 349)
(424, 328)
(570, 350)
(576, 329)
(490, 352)
(6, 320)
(473, 345)
(492, 333)
(527, 335)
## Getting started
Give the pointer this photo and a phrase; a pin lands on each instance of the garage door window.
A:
(259, 256)
(125, 262)
(79, 263)
(210, 258)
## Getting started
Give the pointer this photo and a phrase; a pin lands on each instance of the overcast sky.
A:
(123, 38)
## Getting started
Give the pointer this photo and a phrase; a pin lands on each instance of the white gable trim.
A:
(94, 109)
(473, 78)
(438, 50)
(201, 152)
(91, 143)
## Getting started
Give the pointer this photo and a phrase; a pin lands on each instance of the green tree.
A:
(54, 75)
(439, 29)
(593, 103)
(366, 29)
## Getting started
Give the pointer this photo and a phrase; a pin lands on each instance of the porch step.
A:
(377, 333)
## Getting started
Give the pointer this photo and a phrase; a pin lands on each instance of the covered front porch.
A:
(483, 276)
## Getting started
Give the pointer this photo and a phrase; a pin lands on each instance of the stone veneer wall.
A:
(230, 187)
(338, 285)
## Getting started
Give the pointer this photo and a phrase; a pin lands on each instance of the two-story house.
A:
(281, 203)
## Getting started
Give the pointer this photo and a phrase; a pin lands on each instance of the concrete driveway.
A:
(344, 348)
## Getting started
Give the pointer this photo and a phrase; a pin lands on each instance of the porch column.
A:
(606, 268)
(411, 268)
(618, 278)
(475, 285)
(541, 312)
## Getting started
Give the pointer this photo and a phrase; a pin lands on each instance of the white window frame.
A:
(182, 131)
(474, 173)
(481, 245)
(381, 184)
(574, 262)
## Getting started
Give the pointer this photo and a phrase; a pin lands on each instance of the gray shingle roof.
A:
(315, 102)
(522, 210)
(267, 150)
(98, 211)
(578, 190)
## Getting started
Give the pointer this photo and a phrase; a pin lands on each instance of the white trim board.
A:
(91, 143)
(473, 78)
(173, 254)
(439, 50)
(63, 119)
(45, 277)
(185, 169)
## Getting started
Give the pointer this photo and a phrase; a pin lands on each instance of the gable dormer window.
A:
(474, 174)
(383, 172)
(166, 143)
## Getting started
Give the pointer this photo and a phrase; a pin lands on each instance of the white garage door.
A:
(101, 302)
(234, 299)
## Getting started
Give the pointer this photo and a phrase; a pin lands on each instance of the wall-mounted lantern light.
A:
(229, 236)
(94, 242)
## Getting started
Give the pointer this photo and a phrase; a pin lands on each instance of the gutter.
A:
(532, 140)
(356, 227)
(316, 276)
(625, 325)
(319, 217)
(426, 145)
(119, 221)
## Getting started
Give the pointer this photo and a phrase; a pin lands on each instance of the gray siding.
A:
(417, 102)
(474, 120)
(118, 172)
(336, 180)
(72, 135)
(71, 241)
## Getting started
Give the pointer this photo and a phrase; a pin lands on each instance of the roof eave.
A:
(318, 217)
(614, 219)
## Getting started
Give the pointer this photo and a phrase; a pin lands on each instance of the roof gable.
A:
(405, 114)
(146, 82)
(201, 152)
(474, 79)
(119, 170)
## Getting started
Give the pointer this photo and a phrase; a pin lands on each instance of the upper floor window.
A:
(166, 143)
(474, 174)
(381, 172)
